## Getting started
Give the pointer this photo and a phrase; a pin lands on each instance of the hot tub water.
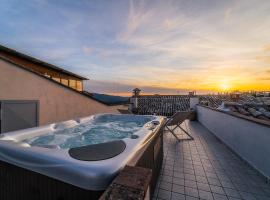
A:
(102, 129)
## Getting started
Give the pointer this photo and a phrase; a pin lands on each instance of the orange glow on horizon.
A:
(203, 82)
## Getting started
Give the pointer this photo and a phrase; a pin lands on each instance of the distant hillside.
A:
(110, 99)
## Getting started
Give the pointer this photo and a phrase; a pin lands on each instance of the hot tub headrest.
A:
(97, 152)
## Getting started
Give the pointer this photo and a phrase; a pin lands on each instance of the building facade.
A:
(53, 72)
(57, 101)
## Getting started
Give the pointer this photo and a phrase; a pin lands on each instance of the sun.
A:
(224, 86)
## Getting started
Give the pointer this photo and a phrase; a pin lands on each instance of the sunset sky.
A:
(160, 46)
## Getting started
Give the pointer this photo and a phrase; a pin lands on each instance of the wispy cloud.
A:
(163, 44)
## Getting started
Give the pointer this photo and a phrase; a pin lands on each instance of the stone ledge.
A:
(132, 183)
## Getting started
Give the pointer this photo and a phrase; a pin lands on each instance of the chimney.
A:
(136, 92)
(134, 100)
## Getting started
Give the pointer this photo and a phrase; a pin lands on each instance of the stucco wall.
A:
(248, 139)
(56, 102)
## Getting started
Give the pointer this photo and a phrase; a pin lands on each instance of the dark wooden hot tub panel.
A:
(17, 183)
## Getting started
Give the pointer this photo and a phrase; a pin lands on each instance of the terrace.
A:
(228, 159)
(205, 168)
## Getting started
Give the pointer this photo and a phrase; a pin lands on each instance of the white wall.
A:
(248, 139)
(193, 102)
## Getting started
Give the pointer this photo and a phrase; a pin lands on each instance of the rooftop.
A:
(205, 168)
(256, 109)
(246, 106)
(10, 54)
(162, 104)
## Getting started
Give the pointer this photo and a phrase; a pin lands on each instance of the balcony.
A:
(206, 168)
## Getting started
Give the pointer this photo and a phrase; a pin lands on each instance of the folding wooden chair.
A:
(176, 120)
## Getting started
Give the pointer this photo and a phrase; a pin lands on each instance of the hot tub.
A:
(86, 153)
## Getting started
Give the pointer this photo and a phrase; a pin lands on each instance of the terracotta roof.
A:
(246, 105)
(165, 105)
(260, 112)
(39, 62)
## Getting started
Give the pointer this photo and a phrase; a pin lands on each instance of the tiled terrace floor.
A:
(205, 168)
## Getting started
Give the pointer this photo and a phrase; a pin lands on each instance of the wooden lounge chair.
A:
(175, 121)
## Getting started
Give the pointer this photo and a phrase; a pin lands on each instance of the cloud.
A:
(266, 48)
(158, 44)
(264, 58)
(264, 54)
(265, 78)
(87, 50)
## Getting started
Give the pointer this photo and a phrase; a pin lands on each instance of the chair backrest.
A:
(178, 118)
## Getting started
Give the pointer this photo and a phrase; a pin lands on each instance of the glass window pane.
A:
(72, 83)
(56, 78)
(79, 85)
(64, 81)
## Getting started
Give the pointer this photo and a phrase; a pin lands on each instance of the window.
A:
(56, 78)
(79, 86)
(72, 83)
(64, 81)
(47, 75)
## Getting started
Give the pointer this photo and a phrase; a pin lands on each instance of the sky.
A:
(166, 47)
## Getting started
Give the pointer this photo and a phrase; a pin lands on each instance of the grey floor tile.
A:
(217, 189)
(179, 181)
(191, 192)
(190, 183)
(203, 165)
(232, 193)
(219, 197)
(166, 178)
(211, 175)
(227, 184)
(168, 172)
(262, 197)
(214, 181)
(178, 174)
(178, 169)
(164, 194)
(177, 196)
(205, 195)
(191, 198)
(243, 188)
(266, 191)
(190, 177)
(247, 196)
(200, 171)
(168, 167)
(256, 190)
(165, 185)
(233, 198)
(178, 188)
(189, 171)
(204, 186)
(201, 179)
